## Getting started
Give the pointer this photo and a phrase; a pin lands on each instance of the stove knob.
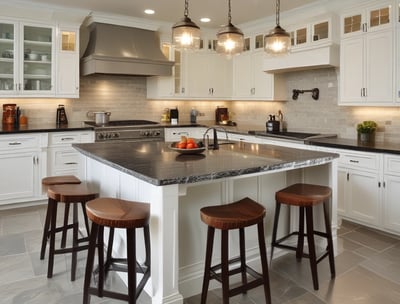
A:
(100, 136)
(146, 133)
(156, 133)
(115, 135)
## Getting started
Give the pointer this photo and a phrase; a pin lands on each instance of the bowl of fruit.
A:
(187, 145)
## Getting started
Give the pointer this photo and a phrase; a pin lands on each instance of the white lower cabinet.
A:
(174, 134)
(391, 183)
(23, 163)
(63, 159)
(360, 186)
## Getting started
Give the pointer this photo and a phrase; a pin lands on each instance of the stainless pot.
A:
(100, 118)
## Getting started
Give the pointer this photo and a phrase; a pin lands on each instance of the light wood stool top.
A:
(61, 179)
(71, 193)
(240, 214)
(303, 195)
(118, 213)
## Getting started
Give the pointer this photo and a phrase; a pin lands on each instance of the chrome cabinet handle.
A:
(14, 143)
(67, 138)
(354, 161)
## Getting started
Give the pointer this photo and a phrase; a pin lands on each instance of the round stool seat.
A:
(71, 193)
(117, 213)
(59, 180)
(243, 213)
(303, 195)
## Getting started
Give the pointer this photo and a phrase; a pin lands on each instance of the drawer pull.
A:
(354, 161)
(14, 143)
(67, 138)
(71, 163)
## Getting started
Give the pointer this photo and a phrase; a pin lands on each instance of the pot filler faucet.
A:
(215, 137)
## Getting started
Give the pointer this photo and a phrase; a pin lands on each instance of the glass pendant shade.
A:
(277, 42)
(185, 33)
(230, 40)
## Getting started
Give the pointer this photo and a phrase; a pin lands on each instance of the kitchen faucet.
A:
(215, 137)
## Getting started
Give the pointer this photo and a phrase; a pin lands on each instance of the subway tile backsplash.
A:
(125, 98)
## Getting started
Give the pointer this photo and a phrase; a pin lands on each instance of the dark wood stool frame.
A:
(96, 240)
(211, 272)
(314, 260)
(75, 248)
(58, 180)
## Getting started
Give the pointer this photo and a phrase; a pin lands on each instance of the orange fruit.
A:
(189, 145)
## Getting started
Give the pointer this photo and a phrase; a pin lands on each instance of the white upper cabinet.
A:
(67, 62)
(27, 59)
(38, 59)
(367, 56)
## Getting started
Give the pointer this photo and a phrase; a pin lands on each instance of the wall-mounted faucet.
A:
(314, 92)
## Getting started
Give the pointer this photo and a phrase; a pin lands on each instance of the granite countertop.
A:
(155, 163)
(44, 127)
(353, 144)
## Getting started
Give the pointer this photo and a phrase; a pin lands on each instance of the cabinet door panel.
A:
(351, 69)
(18, 178)
(341, 192)
(364, 197)
(392, 203)
(379, 69)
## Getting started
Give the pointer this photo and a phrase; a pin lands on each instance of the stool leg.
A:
(242, 257)
(64, 231)
(131, 247)
(89, 262)
(207, 265)
(311, 246)
(110, 244)
(300, 239)
(146, 274)
(100, 250)
(275, 228)
(46, 230)
(329, 238)
(225, 266)
(264, 262)
(83, 204)
(74, 241)
(53, 219)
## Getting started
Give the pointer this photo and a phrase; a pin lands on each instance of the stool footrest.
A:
(110, 294)
(71, 249)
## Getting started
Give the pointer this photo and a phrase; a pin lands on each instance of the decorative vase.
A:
(366, 137)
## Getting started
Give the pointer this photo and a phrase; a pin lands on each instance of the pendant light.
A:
(230, 38)
(277, 41)
(186, 33)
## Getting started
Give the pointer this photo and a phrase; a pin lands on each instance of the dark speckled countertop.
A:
(353, 144)
(155, 163)
(44, 127)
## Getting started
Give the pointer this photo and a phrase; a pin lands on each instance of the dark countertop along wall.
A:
(43, 127)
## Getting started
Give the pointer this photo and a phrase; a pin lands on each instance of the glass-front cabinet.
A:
(26, 62)
(7, 57)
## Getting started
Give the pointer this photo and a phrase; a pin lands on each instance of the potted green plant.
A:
(366, 130)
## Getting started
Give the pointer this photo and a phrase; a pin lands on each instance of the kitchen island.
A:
(177, 186)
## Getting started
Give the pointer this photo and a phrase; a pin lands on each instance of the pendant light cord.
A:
(186, 12)
(229, 12)
(278, 2)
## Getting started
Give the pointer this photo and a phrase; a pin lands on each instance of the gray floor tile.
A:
(12, 244)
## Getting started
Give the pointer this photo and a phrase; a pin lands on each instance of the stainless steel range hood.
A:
(115, 49)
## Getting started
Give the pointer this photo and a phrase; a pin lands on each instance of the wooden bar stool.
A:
(237, 215)
(306, 196)
(46, 182)
(68, 194)
(117, 213)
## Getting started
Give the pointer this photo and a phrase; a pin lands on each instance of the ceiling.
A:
(172, 10)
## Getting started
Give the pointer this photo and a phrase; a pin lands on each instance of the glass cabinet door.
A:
(7, 57)
(38, 61)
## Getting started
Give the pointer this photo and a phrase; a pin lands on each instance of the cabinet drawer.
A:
(362, 161)
(392, 164)
(64, 158)
(68, 138)
(19, 142)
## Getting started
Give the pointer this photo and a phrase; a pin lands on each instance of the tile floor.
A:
(367, 267)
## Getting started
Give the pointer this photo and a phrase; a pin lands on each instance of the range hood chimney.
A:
(115, 49)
